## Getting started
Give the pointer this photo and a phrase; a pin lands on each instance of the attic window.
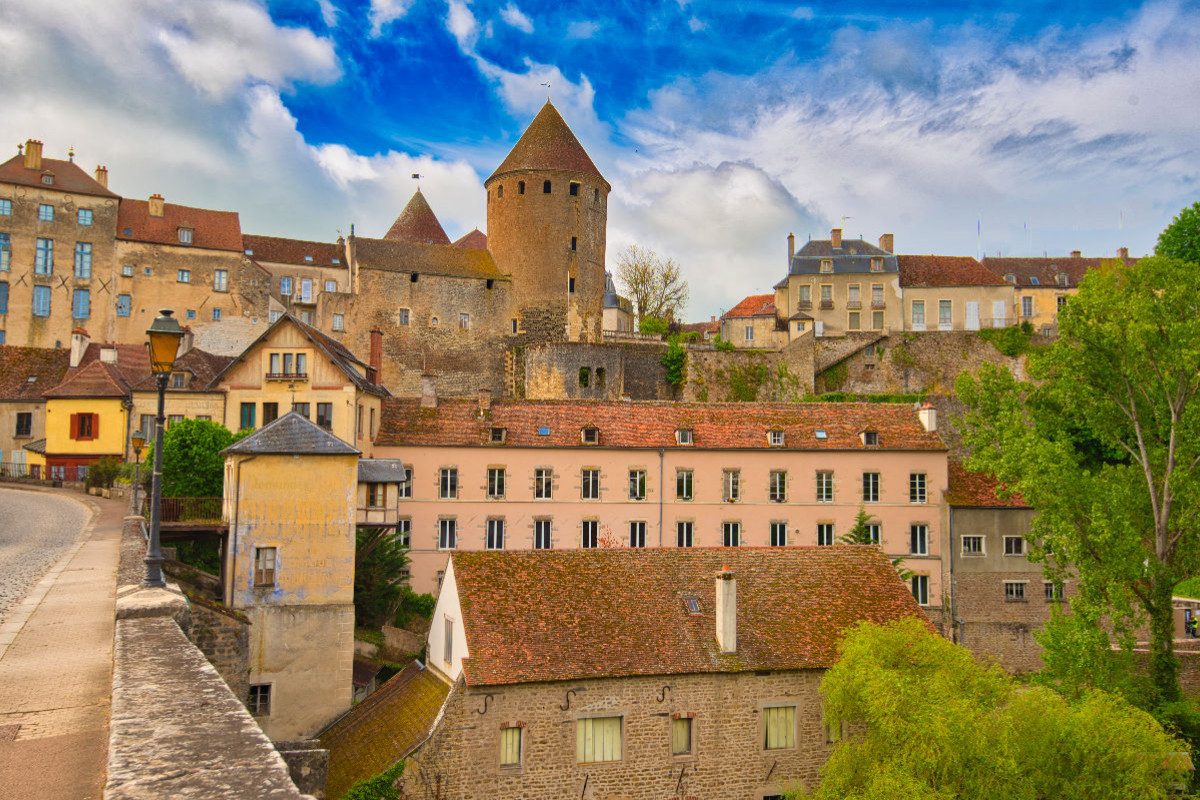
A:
(1034, 281)
(1011, 278)
(248, 252)
(308, 258)
(692, 604)
(821, 434)
(185, 235)
(876, 265)
(590, 435)
(683, 436)
(48, 178)
(775, 438)
(544, 430)
(870, 438)
(498, 435)
(827, 265)
(1062, 278)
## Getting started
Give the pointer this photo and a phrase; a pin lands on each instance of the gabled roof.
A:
(1043, 272)
(96, 379)
(46, 367)
(132, 363)
(977, 490)
(652, 424)
(291, 434)
(203, 366)
(417, 224)
(383, 728)
(211, 230)
(945, 271)
(712, 326)
(426, 259)
(756, 305)
(854, 256)
(475, 240)
(277, 250)
(380, 470)
(548, 143)
(524, 619)
(68, 177)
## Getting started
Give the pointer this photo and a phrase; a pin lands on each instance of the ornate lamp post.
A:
(164, 335)
(138, 439)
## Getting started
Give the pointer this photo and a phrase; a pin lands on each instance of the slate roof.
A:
(977, 490)
(426, 259)
(277, 250)
(853, 257)
(46, 366)
(417, 224)
(383, 728)
(68, 176)
(1047, 270)
(380, 470)
(576, 614)
(756, 305)
(211, 230)
(36, 446)
(945, 271)
(291, 434)
(548, 143)
(652, 424)
(475, 240)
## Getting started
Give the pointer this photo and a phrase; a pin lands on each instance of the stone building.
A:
(953, 293)
(1043, 285)
(640, 673)
(25, 373)
(755, 323)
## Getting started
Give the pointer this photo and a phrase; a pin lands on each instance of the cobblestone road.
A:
(35, 529)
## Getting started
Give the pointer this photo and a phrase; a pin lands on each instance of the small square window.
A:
(870, 438)
(84, 216)
(972, 545)
(402, 316)
(147, 271)
(1014, 545)
(265, 562)
(184, 276)
(127, 270)
(776, 438)
(590, 435)
(779, 728)
(185, 235)
(45, 213)
(497, 435)
(339, 322)
(191, 313)
(260, 699)
(1054, 591)
(5, 208)
(1014, 591)
(683, 437)
(216, 315)
(331, 286)
(574, 189)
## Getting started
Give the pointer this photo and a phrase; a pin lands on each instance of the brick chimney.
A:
(157, 205)
(887, 242)
(927, 415)
(791, 248)
(1123, 253)
(102, 175)
(429, 390)
(1076, 254)
(835, 238)
(33, 154)
(485, 401)
(186, 343)
(376, 355)
(726, 610)
(79, 344)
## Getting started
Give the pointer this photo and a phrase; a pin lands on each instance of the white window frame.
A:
(589, 534)
(1014, 546)
(918, 539)
(448, 483)
(447, 533)
(495, 483)
(731, 534)
(684, 485)
(543, 533)
(917, 488)
(824, 486)
(543, 483)
(495, 533)
(731, 485)
(777, 486)
(685, 533)
(1014, 591)
(972, 545)
(920, 589)
(637, 533)
(870, 487)
(637, 484)
(779, 534)
(826, 534)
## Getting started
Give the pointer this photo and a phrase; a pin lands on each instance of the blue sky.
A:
(959, 127)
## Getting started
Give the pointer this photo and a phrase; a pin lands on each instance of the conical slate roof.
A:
(548, 143)
(417, 224)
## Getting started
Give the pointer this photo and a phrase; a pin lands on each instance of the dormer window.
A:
(185, 235)
(683, 437)
(1011, 278)
(498, 435)
(590, 435)
(826, 265)
(1062, 279)
(775, 438)
(47, 178)
(876, 265)
(870, 438)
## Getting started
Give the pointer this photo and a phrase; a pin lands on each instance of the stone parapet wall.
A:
(223, 636)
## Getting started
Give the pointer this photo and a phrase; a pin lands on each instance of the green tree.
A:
(192, 462)
(380, 574)
(654, 326)
(860, 533)
(1181, 239)
(381, 787)
(675, 362)
(1104, 444)
(925, 719)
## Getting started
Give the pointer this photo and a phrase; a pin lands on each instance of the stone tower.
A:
(547, 216)
(417, 224)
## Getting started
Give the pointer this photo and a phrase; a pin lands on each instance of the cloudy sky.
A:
(958, 126)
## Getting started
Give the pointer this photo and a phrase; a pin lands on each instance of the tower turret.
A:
(417, 224)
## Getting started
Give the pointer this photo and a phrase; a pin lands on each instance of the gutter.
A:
(660, 496)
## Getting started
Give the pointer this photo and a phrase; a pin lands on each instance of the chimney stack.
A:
(186, 343)
(157, 205)
(791, 249)
(726, 610)
(887, 242)
(33, 154)
(376, 355)
(79, 344)
(429, 390)
(485, 401)
(1123, 253)
(102, 175)
(927, 415)
(1076, 254)
(835, 238)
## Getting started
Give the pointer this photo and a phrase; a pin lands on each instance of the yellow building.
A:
(953, 293)
(290, 506)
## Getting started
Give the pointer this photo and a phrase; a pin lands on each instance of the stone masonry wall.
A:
(1002, 629)
(728, 759)
(223, 635)
(716, 376)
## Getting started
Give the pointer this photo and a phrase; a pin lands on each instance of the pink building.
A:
(521, 475)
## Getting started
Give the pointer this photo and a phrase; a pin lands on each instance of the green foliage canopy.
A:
(1181, 239)
(192, 462)
(379, 576)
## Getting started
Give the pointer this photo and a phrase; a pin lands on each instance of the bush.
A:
(381, 787)
(1011, 341)
(102, 473)
(675, 360)
(413, 605)
(723, 345)
(654, 326)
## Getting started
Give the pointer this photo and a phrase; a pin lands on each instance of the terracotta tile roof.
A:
(202, 365)
(945, 271)
(625, 424)
(426, 259)
(756, 305)
(475, 240)
(977, 489)
(548, 143)
(68, 177)
(96, 379)
(274, 249)
(383, 728)
(417, 224)
(211, 230)
(132, 364)
(1044, 272)
(574, 614)
(711, 326)
(47, 367)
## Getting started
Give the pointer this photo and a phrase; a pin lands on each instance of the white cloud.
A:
(513, 16)
(803, 12)
(383, 12)
(329, 12)
(695, 25)
(582, 29)
(462, 25)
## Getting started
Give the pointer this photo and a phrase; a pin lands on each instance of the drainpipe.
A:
(237, 498)
(954, 626)
(660, 495)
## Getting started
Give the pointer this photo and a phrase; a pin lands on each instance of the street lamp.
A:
(138, 439)
(164, 335)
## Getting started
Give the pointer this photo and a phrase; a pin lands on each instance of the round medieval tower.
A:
(547, 215)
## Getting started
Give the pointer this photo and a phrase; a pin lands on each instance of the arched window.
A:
(546, 187)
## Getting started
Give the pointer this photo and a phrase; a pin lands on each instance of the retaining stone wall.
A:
(223, 636)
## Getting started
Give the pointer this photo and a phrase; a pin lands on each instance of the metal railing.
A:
(11, 470)
(187, 509)
(631, 336)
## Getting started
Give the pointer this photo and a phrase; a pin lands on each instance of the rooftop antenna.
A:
(417, 177)
(844, 218)
(547, 85)
(71, 154)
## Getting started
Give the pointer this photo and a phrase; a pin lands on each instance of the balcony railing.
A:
(804, 305)
(287, 376)
(853, 304)
(878, 304)
(10, 470)
(187, 509)
(826, 305)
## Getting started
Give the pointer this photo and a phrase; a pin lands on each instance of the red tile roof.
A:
(18, 364)
(417, 224)
(575, 614)
(200, 364)
(756, 305)
(211, 230)
(475, 240)
(945, 271)
(68, 177)
(132, 364)
(701, 327)
(1047, 270)
(624, 424)
(96, 379)
(978, 489)
(548, 143)
(426, 259)
(273, 249)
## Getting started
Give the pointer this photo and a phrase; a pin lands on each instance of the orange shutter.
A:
(95, 426)
(74, 426)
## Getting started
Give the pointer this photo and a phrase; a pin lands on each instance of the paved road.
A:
(36, 528)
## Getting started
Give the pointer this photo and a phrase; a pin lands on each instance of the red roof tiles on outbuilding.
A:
(211, 230)
(977, 490)
(945, 271)
(756, 305)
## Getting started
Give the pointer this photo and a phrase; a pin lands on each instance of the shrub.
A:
(102, 473)
(413, 605)
(381, 787)
(654, 326)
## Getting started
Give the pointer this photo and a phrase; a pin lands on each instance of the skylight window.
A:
(544, 431)
(1034, 281)
(821, 434)
(692, 604)
(308, 258)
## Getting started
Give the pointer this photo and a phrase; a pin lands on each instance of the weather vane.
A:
(417, 177)
(547, 85)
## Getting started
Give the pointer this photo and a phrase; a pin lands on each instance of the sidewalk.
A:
(56, 670)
